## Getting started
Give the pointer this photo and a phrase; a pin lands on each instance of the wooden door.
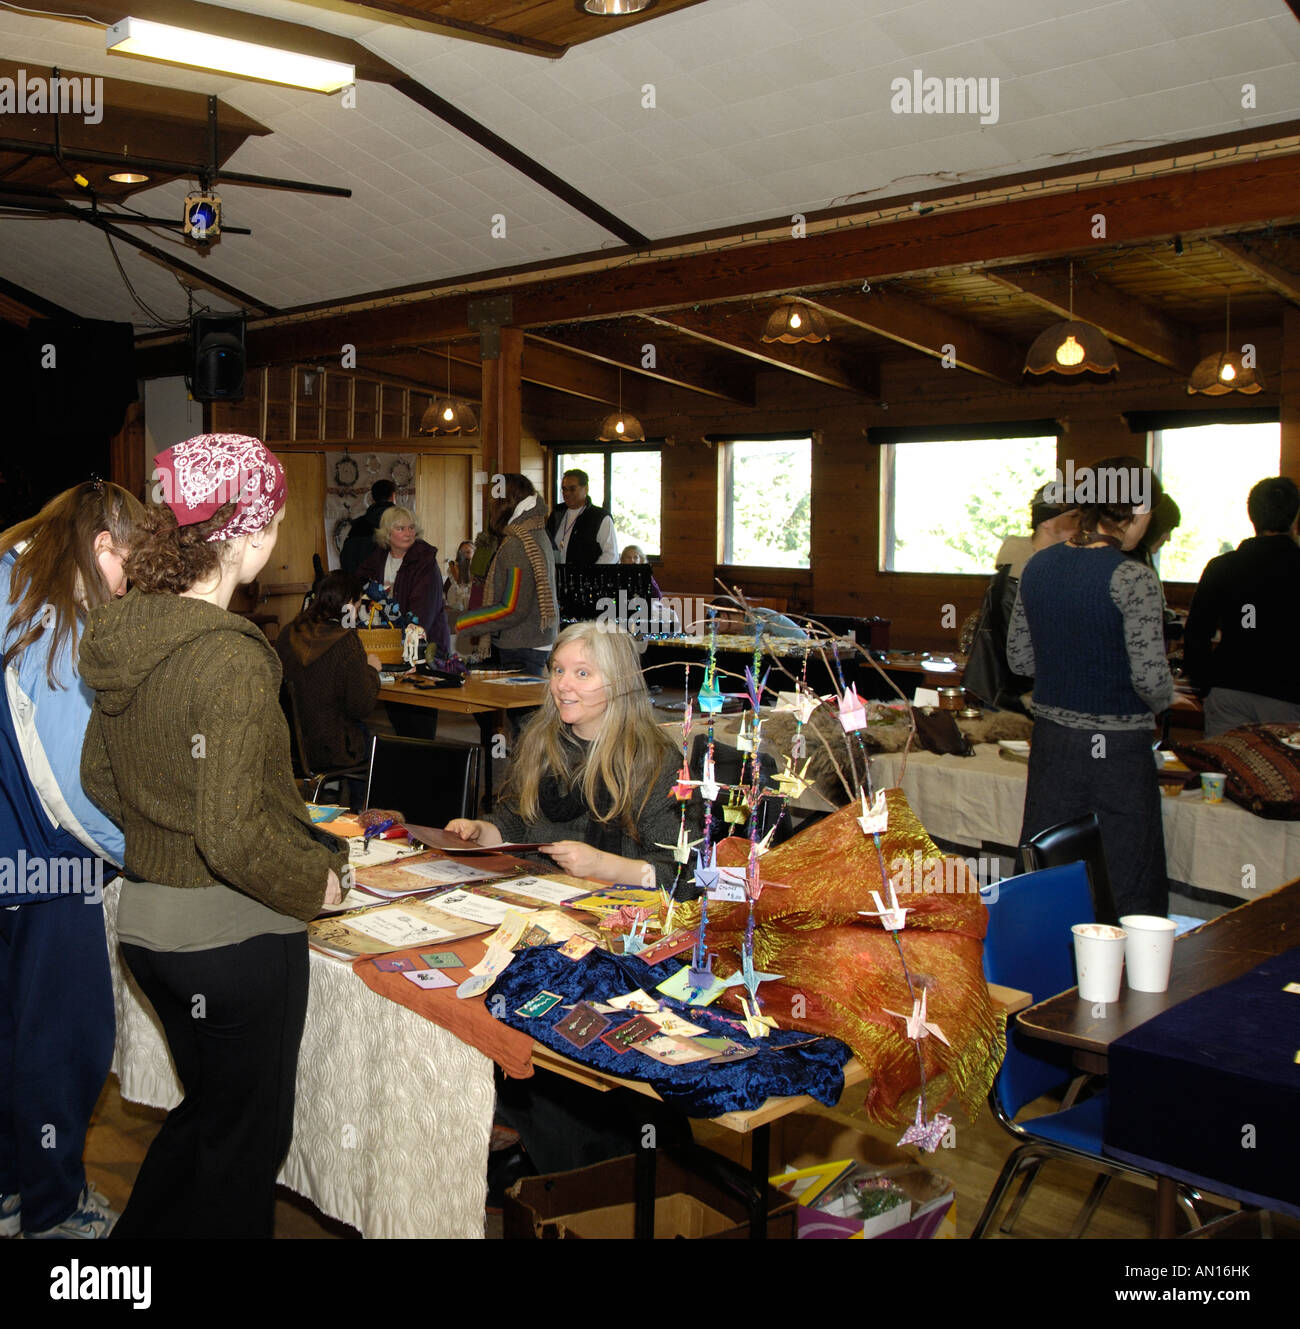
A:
(288, 576)
(443, 489)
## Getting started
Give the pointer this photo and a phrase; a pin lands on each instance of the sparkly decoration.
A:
(928, 1136)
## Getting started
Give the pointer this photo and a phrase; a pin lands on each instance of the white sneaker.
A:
(91, 1219)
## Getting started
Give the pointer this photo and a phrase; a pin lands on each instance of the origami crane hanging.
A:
(853, 712)
(747, 736)
(682, 849)
(928, 1135)
(737, 808)
(874, 819)
(805, 703)
(754, 686)
(634, 941)
(706, 874)
(792, 782)
(893, 918)
(756, 1023)
(917, 1025)
(709, 786)
(710, 697)
(684, 789)
(750, 977)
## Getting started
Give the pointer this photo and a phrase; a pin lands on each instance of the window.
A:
(766, 491)
(949, 504)
(626, 481)
(1208, 470)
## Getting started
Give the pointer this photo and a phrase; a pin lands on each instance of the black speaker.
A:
(217, 358)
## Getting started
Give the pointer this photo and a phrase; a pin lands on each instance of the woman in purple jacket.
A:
(407, 569)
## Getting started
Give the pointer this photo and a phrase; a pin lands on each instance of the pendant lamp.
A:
(792, 322)
(1225, 371)
(1071, 347)
(619, 426)
(449, 415)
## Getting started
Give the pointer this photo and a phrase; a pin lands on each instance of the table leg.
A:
(644, 1221)
(760, 1146)
(1166, 1208)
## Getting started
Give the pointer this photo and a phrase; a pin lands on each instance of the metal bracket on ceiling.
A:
(487, 317)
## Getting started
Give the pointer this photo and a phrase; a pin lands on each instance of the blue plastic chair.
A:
(1029, 946)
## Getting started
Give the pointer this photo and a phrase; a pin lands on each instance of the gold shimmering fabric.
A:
(843, 972)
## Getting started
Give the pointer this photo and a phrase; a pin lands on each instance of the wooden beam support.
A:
(1033, 227)
(1122, 318)
(928, 330)
(822, 362)
(499, 425)
(1277, 279)
(725, 382)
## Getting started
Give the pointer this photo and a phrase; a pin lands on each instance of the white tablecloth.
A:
(981, 799)
(393, 1112)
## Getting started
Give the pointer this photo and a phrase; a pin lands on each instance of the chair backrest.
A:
(1029, 946)
(1068, 843)
(429, 782)
(297, 746)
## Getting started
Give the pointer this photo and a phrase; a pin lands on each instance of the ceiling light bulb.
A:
(1227, 373)
(796, 321)
(619, 426)
(448, 414)
(1069, 352)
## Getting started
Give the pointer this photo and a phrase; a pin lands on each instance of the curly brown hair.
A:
(168, 558)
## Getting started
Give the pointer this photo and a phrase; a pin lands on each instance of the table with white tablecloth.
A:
(393, 1113)
(980, 800)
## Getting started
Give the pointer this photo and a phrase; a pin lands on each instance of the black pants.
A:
(233, 1017)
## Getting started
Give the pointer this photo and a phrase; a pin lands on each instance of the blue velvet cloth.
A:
(1209, 1092)
(699, 1089)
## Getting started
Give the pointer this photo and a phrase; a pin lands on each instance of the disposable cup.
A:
(1212, 783)
(1148, 951)
(1099, 959)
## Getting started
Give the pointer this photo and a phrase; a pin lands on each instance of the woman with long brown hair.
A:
(188, 748)
(56, 1034)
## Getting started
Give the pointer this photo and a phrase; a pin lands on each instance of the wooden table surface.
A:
(743, 1120)
(474, 698)
(1215, 953)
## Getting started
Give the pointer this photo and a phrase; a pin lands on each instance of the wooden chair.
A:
(311, 781)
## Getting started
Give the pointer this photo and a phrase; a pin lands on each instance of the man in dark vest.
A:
(581, 532)
(360, 543)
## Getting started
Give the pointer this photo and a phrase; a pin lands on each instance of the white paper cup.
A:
(1148, 951)
(1099, 959)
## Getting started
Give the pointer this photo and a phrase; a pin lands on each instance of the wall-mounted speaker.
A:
(217, 357)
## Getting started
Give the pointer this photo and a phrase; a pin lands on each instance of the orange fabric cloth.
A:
(842, 971)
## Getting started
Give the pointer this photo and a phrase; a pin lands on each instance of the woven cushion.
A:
(1263, 771)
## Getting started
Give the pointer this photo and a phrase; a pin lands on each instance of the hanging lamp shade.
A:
(621, 427)
(1224, 372)
(1071, 348)
(449, 415)
(792, 322)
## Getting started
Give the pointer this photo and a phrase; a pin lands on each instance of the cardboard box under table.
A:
(576, 1205)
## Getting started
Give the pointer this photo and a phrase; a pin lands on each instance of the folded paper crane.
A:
(709, 786)
(927, 1135)
(853, 713)
(750, 976)
(792, 782)
(682, 849)
(710, 697)
(684, 789)
(756, 1023)
(874, 819)
(893, 918)
(917, 1025)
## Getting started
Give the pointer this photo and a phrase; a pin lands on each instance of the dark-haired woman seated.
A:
(335, 680)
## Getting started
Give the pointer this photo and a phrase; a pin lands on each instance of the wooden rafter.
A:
(1277, 279)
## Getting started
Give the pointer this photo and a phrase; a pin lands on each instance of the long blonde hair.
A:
(626, 755)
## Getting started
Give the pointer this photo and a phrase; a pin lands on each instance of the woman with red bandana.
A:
(188, 750)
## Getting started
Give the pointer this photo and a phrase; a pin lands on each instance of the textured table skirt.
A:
(393, 1114)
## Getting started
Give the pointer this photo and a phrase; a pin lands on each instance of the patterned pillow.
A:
(1261, 763)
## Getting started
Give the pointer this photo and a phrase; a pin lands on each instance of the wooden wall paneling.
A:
(338, 406)
(308, 403)
(247, 416)
(288, 574)
(392, 412)
(689, 481)
(365, 408)
(443, 499)
(126, 452)
(1289, 387)
(279, 404)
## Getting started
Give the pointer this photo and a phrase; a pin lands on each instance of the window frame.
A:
(565, 447)
(722, 444)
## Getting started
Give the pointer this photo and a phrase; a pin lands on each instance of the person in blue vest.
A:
(582, 533)
(1088, 627)
(56, 998)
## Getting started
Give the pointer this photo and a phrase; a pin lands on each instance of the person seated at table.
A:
(406, 568)
(592, 775)
(335, 680)
(1248, 597)
(1087, 628)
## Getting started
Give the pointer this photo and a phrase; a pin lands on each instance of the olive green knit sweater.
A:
(187, 750)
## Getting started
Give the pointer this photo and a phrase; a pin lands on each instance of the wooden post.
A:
(502, 404)
(126, 451)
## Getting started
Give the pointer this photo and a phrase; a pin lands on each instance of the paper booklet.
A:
(410, 876)
(392, 927)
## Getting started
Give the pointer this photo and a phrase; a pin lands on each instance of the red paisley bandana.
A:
(200, 476)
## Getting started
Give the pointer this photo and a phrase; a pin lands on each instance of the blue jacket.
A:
(43, 809)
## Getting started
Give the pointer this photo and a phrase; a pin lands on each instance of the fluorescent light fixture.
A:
(181, 46)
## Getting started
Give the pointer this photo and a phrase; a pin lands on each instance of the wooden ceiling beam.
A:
(1122, 318)
(1277, 279)
(822, 362)
(1033, 227)
(931, 331)
(727, 382)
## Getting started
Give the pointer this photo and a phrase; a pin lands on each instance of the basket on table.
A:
(385, 644)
